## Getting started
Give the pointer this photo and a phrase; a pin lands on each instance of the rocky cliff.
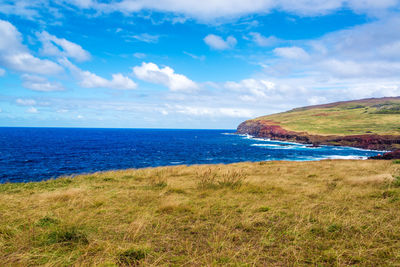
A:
(272, 130)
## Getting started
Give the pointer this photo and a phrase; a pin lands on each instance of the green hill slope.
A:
(367, 116)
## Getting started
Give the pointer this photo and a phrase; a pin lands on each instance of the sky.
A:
(207, 64)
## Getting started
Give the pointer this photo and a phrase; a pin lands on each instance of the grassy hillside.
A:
(268, 213)
(368, 116)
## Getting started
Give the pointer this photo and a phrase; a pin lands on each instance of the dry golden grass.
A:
(327, 213)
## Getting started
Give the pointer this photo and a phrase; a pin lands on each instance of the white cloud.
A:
(2, 72)
(38, 83)
(214, 112)
(315, 100)
(147, 38)
(202, 57)
(166, 76)
(32, 110)
(14, 55)
(204, 11)
(139, 55)
(207, 10)
(118, 81)
(23, 8)
(60, 47)
(25, 102)
(91, 80)
(216, 42)
(291, 52)
(261, 40)
(256, 88)
(368, 52)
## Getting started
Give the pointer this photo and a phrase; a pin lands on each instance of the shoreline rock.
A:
(388, 156)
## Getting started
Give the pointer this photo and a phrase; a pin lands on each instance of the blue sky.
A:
(188, 63)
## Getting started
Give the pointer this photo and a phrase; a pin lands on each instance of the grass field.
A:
(327, 213)
(357, 117)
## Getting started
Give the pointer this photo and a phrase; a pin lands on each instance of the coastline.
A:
(273, 131)
(308, 145)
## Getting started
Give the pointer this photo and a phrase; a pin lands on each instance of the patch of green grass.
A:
(132, 256)
(333, 228)
(65, 236)
(263, 209)
(396, 181)
(46, 221)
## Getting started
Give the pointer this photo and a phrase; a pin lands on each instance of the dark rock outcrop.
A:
(389, 155)
(272, 130)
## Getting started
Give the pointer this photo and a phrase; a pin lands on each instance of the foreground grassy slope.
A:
(269, 213)
(368, 116)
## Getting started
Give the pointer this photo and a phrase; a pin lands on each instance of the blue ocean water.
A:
(34, 154)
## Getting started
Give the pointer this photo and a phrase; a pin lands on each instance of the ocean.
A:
(35, 154)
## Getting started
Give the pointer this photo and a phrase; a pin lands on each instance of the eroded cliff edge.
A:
(272, 130)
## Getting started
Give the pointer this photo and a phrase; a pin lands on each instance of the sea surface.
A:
(34, 154)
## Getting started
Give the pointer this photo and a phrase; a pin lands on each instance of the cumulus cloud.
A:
(291, 52)
(216, 42)
(261, 40)
(252, 87)
(38, 83)
(91, 80)
(60, 47)
(16, 56)
(166, 76)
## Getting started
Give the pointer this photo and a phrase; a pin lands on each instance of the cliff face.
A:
(272, 130)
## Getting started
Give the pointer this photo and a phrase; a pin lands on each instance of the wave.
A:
(277, 146)
(266, 145)
(248, 136)
(356, 148)
(346, 157)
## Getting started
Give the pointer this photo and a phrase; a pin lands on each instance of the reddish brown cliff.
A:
(272, 130)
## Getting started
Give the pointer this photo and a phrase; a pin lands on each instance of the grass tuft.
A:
(211, 179)
(46, 221)
(132, 256)
(263, 209)
(396, 181)
(65, 236)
